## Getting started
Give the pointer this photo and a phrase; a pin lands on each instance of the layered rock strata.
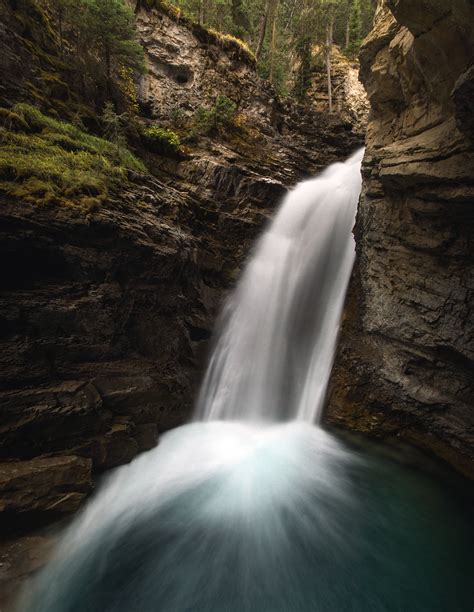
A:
(106, 316)
(405, 364)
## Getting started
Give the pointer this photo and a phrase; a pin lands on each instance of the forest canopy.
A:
(283, 33)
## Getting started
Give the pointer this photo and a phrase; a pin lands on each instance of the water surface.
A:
(231, 517)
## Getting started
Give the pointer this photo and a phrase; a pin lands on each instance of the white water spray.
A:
(274, 354)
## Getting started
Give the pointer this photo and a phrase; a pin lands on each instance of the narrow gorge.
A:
(214, 230)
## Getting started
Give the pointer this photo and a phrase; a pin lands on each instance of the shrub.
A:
(114, 129)
(162, 141)
(217, 118)
(48, 161)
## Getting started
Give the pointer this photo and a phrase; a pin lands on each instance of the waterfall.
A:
(226, 493)
(275, 350)
(252, 507)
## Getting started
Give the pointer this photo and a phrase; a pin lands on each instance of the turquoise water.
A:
(227, 517)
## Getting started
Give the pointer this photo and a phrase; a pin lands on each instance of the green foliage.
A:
(217, 118)
(303, 75)
(99, 39)
(215, 31)
(178, 118)
(47, 161)
(114, 129)
(108, 26)
(355, 21)
(224, 39)
(162, 141)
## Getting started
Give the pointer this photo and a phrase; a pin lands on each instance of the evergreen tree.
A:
(355, 27)
(111, 33)
(63, 10)
(283, 33)
(114, 126)
(102, 45)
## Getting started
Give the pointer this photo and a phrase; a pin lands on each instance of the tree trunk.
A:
(60, 27)
(272, 44)
(108, 68)
(201, 13)
(329, 41)
(290, 17)
(348, 24)
(107, 63)
(263, 29)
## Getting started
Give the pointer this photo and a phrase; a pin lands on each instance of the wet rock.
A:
(54, 485)
(19, 559)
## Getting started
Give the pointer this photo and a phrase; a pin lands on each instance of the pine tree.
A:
(279, 31)
(111, 33)
(355, 26)
(99, 39)
(62, 10)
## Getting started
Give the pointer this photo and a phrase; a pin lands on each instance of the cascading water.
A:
(251, 508)
(274, 355)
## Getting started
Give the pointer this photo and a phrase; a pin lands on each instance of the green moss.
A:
(34, 22)
(166, 7)
(36, 94)
(232, 41)
(54, 79)
(47, 161)
(11, 120)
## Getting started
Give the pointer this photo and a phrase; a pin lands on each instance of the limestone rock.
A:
(189, 67)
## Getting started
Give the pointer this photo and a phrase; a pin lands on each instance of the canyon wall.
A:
(106, 314)
(405, 363)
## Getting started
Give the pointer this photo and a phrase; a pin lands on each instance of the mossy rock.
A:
(45, 161)
(12, 121)
(54, 86)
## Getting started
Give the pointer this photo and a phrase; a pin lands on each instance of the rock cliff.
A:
(349, 96)
(405, 364)
(106, 315)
